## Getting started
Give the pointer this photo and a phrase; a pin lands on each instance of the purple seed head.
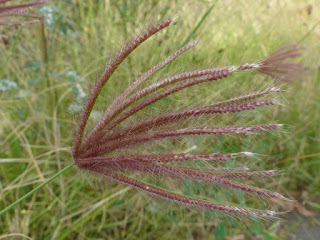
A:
(19, 11)
(16, 12)
(97, 151)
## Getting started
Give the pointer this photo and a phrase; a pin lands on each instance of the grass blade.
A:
(35, 189)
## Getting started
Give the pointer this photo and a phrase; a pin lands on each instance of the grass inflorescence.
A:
(92, 152)
(37, 134)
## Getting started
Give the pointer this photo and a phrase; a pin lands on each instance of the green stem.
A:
(205, 15)
(35, 189)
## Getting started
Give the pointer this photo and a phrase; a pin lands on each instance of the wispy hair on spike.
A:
(114, 109)
(144, 137)
(107, 74)
(178, 198)
(99, 151)
(19, 10)
(164, 158)
(168, 118)
(274, 66)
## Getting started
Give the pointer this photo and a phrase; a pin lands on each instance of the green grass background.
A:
(38, 117)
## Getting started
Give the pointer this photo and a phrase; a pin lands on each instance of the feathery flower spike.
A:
(18, 11)
(97, 151)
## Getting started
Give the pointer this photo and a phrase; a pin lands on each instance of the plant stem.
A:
(12, 48)
(205, 15)
(35, 189)
(52, 96)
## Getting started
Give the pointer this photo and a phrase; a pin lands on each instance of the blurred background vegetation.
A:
(46, 71)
